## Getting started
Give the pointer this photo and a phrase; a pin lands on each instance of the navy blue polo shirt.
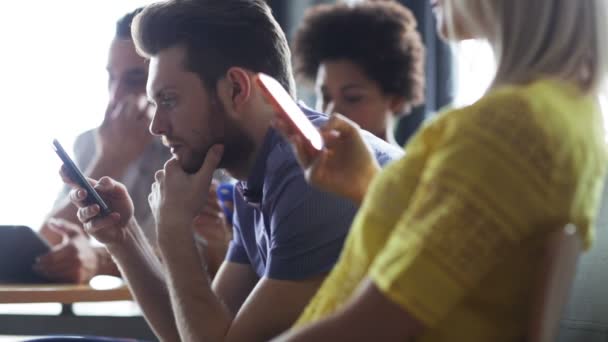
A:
(283, 227)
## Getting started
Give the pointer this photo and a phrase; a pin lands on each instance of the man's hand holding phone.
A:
(94, 200)
(108, 229)
(345, 166)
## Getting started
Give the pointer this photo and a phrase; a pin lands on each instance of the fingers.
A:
(85, 214)
(145, 109)
(66, 176)
(154, 189)
(142, 103)
(78, 197)
(132, 108)
(67, 271)
(211, 163)
(160, 174)
(63, 253)
(111, 112)
(341, 133)
(330, 108)
(314, 173)
(64, 173)
(103, 224)
(127, 109)
(59, 264)
(341, 124)
(64, 272)
(331, 138)
(213, 188)
(63, 227)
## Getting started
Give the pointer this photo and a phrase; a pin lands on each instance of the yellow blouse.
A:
(451, 232)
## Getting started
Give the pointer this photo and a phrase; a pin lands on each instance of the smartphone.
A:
(77, 177)
(287, 108)
(19, 248)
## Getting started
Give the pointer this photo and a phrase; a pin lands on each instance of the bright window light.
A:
(474, 70)
(53, 85)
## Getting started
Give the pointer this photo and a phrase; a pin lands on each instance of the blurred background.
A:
(53, 85)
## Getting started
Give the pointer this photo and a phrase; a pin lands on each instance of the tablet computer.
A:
(19, 248)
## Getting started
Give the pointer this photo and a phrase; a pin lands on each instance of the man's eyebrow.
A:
(352, 86)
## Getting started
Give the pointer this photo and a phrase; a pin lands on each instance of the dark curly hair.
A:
(379, 36)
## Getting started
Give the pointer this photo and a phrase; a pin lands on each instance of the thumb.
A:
(212, 161)
(343, 125)
(108, 186)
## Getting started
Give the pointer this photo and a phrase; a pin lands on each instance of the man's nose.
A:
(158, 126)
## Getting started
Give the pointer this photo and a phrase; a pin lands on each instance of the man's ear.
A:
(235, 88)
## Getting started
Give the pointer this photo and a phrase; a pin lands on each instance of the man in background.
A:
(122, 148)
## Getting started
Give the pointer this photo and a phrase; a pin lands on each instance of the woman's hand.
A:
(345, 166)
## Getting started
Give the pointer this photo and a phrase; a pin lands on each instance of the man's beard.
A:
(238, 145)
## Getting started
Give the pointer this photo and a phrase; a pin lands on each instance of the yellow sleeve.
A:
(480, 193)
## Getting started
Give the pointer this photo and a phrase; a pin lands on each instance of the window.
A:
(474, 69)
(53, 85)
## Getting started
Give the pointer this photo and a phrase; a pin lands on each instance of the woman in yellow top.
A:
(445, 246)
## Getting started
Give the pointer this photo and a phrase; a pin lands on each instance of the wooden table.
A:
(64, 294)
(67, 323)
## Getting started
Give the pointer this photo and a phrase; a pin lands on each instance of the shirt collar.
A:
(252, 189)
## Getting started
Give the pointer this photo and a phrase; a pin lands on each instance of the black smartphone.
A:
(19, 248)
(77, 177)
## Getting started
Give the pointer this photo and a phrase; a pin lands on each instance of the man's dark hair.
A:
(378, 36)
(123, 25)
(217, 35)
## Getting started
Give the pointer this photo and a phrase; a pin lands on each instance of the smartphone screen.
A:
(287, 108)
(77, 177)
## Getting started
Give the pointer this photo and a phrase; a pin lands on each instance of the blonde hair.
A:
(531, 39)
